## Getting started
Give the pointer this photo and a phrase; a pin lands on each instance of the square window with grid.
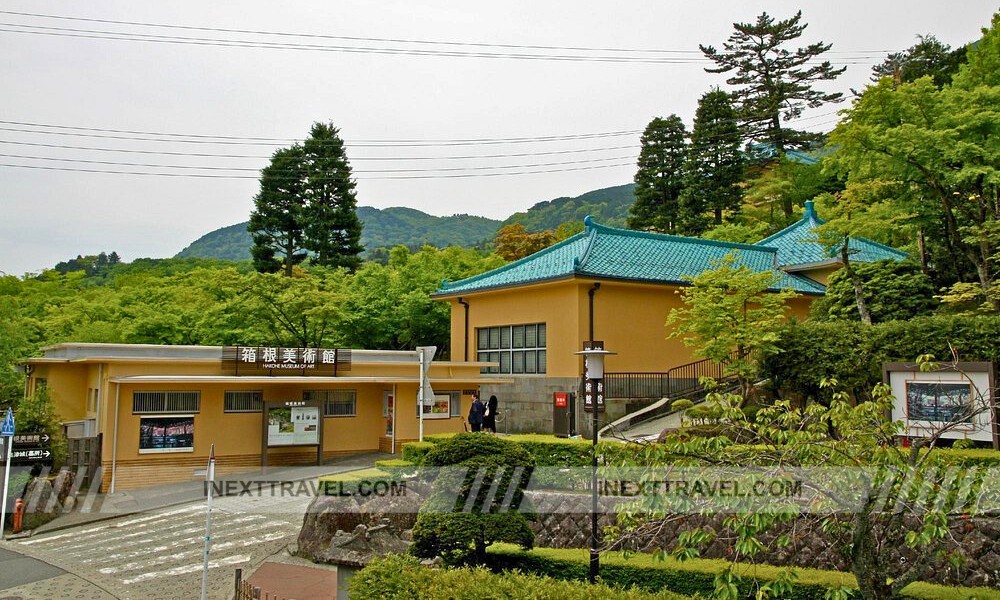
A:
(243, 401)
(520, 349)
(336, 403)
(166, 402)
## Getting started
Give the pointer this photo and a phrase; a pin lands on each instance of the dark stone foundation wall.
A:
(528, 404)
(564, 522)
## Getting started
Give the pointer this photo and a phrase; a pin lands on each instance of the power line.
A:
(164, 39)
(378, 39)
(205, 138)
(211, 176)
(285, 140)
(352, 158)
(195, 167)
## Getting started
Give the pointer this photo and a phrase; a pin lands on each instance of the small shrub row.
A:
(697, 576)
(402, 577)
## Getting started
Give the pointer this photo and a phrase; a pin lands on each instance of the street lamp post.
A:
(594, 353)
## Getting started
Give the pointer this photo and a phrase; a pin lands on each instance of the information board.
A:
(293, 426)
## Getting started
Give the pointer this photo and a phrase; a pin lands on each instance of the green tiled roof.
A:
(798, 244)
(607, 253)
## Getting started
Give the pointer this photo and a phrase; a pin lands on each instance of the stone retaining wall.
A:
(564, 522)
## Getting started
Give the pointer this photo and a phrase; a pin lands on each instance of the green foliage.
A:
(609, 206)
(853, 354)
(659, 178)
(729, 311)
(306, 204)
(714, 166)
(773, 196)
(36, 414)
(894, 291)
(460, 527)
(773, 81)
(913, 501)
(928, 57)
(416, 452)
(935, 154)
(402, 577)
(697, 576)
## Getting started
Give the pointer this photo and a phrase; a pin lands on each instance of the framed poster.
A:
(293, 426)
(939, 401)
(166, 434)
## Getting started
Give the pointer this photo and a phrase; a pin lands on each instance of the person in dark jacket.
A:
(476, 414)
(490, 416)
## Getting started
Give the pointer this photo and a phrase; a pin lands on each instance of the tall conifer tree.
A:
(773, 82)
(660, 176)
(307, 206)
(715, 164)
(332, 227)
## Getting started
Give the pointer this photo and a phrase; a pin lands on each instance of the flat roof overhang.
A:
(279, 379)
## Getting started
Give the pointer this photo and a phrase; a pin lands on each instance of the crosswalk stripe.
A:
(191, 540)
(133, 539)
(106, 528)
(230, 560)
(145, 564)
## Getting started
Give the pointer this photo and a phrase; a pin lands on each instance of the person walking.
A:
(490, 415)
(476, 412)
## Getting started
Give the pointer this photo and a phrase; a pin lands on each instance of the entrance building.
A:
(158, 409)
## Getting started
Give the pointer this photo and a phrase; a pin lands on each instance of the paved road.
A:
(157, 554)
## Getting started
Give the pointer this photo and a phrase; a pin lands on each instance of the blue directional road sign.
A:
(7, 428)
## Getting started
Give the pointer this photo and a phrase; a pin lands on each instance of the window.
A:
(164, 402)
(444, 405)
(336, 403)
(243, 401)
(520, 349)
(166, 434)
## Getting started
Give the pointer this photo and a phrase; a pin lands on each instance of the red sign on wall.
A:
(562, 399)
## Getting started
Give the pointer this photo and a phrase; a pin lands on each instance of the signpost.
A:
(6, 432)
(593, 354)
(209, 481)
(425, 394)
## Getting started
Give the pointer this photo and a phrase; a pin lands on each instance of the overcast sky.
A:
(354, 63)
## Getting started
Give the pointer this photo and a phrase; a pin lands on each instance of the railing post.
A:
(239, 579)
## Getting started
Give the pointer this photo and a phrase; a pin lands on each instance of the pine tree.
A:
(715, 164)
(331, 225)
(276, 221)
(660, 176)
(772, 81)
(306, 207)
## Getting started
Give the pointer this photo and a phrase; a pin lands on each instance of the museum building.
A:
(157, 410)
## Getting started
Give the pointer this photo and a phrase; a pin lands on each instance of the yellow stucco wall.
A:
(629, 317)
(821, 274)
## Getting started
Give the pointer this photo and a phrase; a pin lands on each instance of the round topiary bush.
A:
(477, 499)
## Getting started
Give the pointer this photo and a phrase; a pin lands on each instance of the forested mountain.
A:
(385, 227)
(412, 228)
(609, 206)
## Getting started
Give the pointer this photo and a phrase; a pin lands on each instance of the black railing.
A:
(682, 381)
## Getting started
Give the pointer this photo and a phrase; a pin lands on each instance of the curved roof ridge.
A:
(511, 265)
(680, 238)
(591, 231)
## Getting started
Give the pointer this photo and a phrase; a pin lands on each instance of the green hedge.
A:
(402, 577)
(696, 576)
(853, 353)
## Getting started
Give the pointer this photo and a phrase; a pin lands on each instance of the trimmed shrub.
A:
(414, 452)
(697, 576)
(402, 577)
(473, 508)
(853, 353)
